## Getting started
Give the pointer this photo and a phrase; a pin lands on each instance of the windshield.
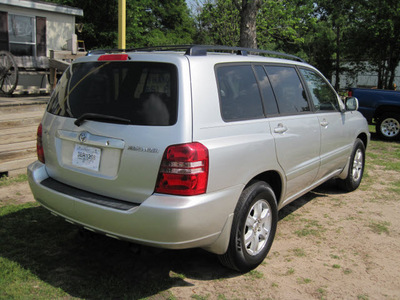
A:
(143, 93)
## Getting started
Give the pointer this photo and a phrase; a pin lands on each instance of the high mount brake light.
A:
(184, 170)
(113, 57)
(39, 144)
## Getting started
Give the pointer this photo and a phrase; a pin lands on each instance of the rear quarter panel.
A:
(238, 150)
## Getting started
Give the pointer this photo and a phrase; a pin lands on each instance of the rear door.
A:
(128, 115)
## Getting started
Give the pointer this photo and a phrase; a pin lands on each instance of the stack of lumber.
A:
(18, 128)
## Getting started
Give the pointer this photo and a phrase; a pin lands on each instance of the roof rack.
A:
(201, 50)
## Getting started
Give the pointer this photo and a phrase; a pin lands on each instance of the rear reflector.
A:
(39, 144)
(184, 170)
(109, 57)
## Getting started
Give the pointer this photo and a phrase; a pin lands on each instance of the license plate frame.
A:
(86, 157)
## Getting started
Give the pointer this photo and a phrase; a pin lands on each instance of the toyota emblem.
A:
(83, 137)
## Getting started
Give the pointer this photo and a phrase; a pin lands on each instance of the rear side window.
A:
(144, 93)
(288, 89)
(322, 95)
(238, 93)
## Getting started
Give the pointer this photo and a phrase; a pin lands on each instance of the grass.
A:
(5, 181)
(299, 252)
(379, 227)
(303, 280)
(384, 154)
(199, 297)
(254, 274)
(311, 228)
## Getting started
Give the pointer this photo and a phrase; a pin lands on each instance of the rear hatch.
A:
(110, 120)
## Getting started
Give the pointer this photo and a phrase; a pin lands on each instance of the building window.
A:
(22, 35)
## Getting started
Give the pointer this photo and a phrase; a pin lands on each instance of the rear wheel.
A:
(253, 228)
(388, 126)
(356, 168)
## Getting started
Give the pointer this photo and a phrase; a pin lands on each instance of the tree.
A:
(282, 25)
(248, 10)
(218, 23)
(338, 15)
(375, 37)
(161, 22)
(148, 22)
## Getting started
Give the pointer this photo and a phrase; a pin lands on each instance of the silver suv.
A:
(194, 148)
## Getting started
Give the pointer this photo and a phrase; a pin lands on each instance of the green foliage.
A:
(374, 36)
(281, 23)
(4, 181)
(148, 22)
(218, 23)
(154, 23)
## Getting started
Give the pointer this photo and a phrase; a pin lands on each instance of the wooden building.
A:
(30, 30)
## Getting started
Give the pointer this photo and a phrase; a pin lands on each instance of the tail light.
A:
(350, 93)
(184, 170)
(39, 144)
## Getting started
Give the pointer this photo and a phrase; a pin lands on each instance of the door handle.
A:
(324, 123)
(280, 129)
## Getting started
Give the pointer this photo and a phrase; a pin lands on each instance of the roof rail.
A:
(198, 50)
(201, 50)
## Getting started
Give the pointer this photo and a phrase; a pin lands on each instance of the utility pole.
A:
(121, 24)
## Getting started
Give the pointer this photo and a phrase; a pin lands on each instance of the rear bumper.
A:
(165, 221)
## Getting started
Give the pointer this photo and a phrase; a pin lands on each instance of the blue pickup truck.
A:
(380, 107)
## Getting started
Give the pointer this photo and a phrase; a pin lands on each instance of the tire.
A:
(356, 168)
(253, 228)
(388, 126)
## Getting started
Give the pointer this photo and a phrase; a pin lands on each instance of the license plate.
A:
(86, 157)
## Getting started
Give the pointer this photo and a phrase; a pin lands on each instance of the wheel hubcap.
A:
(357, 165)
(390, 127)
(257, 227)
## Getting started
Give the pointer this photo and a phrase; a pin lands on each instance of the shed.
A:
(30, 29)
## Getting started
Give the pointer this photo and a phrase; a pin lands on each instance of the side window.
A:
(266, 90)
(322, 95)
(238, 93)
(288, 89)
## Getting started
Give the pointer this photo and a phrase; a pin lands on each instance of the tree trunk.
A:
(337, 75)
(248, 28)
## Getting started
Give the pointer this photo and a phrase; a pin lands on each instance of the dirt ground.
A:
(329, 245)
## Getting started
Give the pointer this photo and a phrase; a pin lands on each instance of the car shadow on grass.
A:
(91, 266)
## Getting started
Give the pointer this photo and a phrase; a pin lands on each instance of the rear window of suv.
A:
(143, 93)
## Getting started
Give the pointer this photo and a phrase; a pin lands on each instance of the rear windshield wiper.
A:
(101, 118)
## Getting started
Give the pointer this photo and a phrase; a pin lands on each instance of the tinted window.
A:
(144, 93)
(288, 89)
(322, 95)
(266, 91)
(239, 93)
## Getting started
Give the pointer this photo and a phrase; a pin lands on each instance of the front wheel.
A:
(253, 228)
(356, 168)
(388, 126)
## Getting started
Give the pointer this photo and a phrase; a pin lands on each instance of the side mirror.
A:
(351, 104)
